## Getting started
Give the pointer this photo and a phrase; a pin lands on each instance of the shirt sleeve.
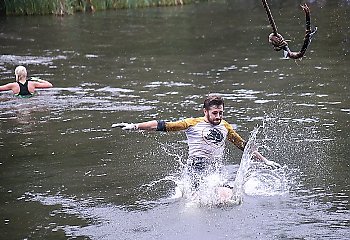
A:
(234, 137)
(178, 125)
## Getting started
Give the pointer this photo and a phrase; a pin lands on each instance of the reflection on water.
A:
(64, 173)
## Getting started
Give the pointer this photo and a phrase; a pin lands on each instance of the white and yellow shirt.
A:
(205, 140)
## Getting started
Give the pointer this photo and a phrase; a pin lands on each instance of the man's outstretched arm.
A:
(267, 162)
(150, 125)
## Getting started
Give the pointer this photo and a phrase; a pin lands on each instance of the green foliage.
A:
(63, 7)
(38, 7)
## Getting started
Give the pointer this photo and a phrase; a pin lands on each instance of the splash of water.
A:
(252, 178)
(244, 167)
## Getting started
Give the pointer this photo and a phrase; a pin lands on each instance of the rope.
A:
(278, 41)
(269, 16)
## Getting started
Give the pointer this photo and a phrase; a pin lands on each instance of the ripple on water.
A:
(15, 60)
(74, 99)
(168, 84)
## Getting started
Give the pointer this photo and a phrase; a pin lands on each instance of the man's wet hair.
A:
(213, 100)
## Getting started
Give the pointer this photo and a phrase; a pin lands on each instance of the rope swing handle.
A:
(278, 41)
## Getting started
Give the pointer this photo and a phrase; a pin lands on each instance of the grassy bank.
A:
(64, 7)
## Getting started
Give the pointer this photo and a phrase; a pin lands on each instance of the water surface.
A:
(65, 173)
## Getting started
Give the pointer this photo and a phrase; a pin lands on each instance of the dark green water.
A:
(64, 173)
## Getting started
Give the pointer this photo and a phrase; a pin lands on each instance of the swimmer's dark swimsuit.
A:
(23, 90)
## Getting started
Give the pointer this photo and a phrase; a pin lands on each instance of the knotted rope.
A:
(278, 41)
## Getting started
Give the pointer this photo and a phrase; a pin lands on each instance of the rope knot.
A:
(277, 41)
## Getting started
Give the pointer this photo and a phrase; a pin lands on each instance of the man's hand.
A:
(125, 126)
(272, 163)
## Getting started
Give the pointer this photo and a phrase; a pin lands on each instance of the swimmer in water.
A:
(24, 87)
(206, 140)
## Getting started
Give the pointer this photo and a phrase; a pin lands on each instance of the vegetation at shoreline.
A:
(65, 7)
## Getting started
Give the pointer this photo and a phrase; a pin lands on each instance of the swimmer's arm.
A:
(267, 162)
(259, 156)
(150, 125)
(241, 144)
(234, 137)
(155, 125)
(7, 87)
(39, 83)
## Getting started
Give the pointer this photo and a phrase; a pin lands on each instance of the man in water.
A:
(206, 139)
(23, 87)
